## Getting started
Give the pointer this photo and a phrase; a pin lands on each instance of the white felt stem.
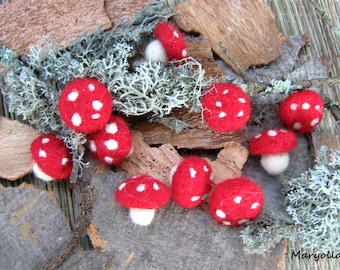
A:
(155, 52)
(275, 163)
(142, 217)
(40, 174)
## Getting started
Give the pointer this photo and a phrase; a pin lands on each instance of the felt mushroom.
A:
(85, 105)
(51, 159)
(169, 44)
(142, 194)
(191, 181)
(236, 201)
(113, 143)
(226, 107)
(302, 111)
(273, 145)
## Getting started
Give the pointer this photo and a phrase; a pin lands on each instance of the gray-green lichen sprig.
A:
(314, 203)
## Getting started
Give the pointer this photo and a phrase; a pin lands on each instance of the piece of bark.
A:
(197, 136)
(246, 30)
(155, 161)
(33, 228)
(15, 142)
(25, 23)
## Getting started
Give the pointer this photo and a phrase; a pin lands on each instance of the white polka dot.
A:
(45, 140)
(220, 213)
(258, 136)
(72, 96)
(108, 159)
(92, 146)
(64, 161)
(242, 100)
(317, 107)
(226, 91)
(293, 106)
(76, 119)
(222, 115)
(305, 106)
(195, 198)
(205, 168)
(155, 186)
(92, 87)
(297, 125)
(193, 172)
(176, 35)
(97, 105)
(218, 104)
(226, 223)
(95, 116)
(240, 114)
(121, 186)
(242, 221)
(237, 199)
(42, 153)
(111, 128)
(254, 205)
(111, 144)
(314, 122)
(184, 53)
(141, 188)
(272, 133)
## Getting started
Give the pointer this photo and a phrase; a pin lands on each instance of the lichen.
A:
(279, 87)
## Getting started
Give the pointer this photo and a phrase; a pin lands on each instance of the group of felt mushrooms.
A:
(86, 106)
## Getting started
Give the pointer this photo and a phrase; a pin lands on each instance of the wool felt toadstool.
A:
(273, 145)
(169, 44)
(236, 201)
(302, 111)
(191, 181)
(226, 107)
(142, 194)
(113, 143)
(85, 105)
(51, 159)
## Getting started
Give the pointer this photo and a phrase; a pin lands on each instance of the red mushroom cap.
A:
(226, 107)
(191, 181)
(272, 141)
(236, 201)
(302, 111)
(85, 105)
(172, 40)
(142, 191)
(52, 157)
(113, 143)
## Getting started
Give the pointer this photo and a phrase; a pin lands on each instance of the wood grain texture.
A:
(246, 29)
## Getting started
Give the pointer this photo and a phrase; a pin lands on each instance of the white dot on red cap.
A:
(140, 187)
(111, 128)
(91, 87)
(97, 105)
(95, 116)
(254, 205)
(92, 146)
(111, 144)
(242, 100)
(317, 107)
(184, 53)
(64, 161)
(205, 168)
(293, 106)
(272, 133)
(193, 172)
(314, 122)
(297, 125)
(225, 91)
(305, 106)
(222, 115)
(242, 221)
(42, 153)
(108, 159)
(240, 113)
(73, 96)
(175, 34)
(195, 198)
(76, 119)
(220, 213)
(218, 104)
(227, 223)
(122, 186)
(155, 186)
(237, 199)
(45, 140)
